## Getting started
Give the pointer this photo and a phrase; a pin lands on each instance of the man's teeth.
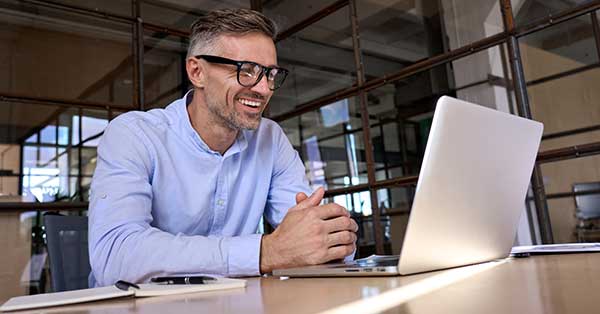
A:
(249, 103)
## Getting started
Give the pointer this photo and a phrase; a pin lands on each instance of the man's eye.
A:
(245, 72)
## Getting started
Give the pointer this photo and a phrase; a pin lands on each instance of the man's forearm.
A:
(137, 255)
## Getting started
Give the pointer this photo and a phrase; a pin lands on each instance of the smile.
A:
(249, 103)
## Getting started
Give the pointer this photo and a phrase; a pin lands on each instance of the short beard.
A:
(233, 119)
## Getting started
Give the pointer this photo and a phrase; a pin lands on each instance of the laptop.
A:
(469, 197)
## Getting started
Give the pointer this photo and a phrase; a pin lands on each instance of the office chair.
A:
(67, 241)
(587, 211)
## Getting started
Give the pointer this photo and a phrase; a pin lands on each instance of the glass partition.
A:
(401, 112)
(331, 144)
(394, 205)
(56, 54)
(120, 7)
(563, 177)
(55, 152)
(289, 13)
(165, 78)
(181, 14)
(565, 47)
(320, 59)
(361, 210)
(561, 68)
(530, 11)
(396, 33)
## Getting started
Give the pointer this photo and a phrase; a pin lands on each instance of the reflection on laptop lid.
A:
(469, 196)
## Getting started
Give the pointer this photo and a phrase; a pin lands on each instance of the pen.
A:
(182, 280)
(125, 285)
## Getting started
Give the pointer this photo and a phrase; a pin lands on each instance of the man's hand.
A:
(309, 234)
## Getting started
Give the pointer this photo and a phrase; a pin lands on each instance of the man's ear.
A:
(195, 72)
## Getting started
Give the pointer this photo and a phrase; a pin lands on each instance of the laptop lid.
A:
(471, 189)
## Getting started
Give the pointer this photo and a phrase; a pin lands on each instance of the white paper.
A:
(557, 248)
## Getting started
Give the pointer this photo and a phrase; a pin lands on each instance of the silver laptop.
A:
(469, 197)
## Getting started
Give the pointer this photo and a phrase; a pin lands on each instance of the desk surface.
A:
(539, 284)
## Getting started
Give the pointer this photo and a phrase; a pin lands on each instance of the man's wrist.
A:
(264, 264)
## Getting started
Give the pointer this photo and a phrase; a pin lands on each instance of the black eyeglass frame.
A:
(239, 64)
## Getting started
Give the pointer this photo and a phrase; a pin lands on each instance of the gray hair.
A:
(207, 29)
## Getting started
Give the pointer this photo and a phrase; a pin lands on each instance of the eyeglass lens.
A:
(251, 73)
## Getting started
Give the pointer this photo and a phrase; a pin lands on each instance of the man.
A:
(182, 190)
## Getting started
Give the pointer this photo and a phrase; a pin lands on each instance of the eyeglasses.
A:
(250, 73)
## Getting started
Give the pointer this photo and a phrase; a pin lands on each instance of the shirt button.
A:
(220, 202)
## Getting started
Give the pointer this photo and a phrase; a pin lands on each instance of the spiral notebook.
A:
(94, 294)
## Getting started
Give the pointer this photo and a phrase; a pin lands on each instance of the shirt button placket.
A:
(220, 203)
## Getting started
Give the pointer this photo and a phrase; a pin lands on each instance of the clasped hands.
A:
(309, 234)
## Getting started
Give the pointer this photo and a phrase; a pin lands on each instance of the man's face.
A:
(232, 104)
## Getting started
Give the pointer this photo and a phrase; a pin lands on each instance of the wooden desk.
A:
(539, 284)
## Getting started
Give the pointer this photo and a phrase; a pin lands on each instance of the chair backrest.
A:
(67, 239)
(587, 205)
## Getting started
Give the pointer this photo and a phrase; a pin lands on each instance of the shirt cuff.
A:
(244, 255)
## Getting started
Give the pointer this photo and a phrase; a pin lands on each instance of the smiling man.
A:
(182, 190)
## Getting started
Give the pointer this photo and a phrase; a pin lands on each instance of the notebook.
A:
(111, 292)
(469, 196)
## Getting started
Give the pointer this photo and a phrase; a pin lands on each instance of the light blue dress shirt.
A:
(162, 202)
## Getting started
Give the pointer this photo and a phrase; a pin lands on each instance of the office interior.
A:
(357, 105)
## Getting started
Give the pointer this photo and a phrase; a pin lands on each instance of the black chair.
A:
(67, 241)
(587, 211)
